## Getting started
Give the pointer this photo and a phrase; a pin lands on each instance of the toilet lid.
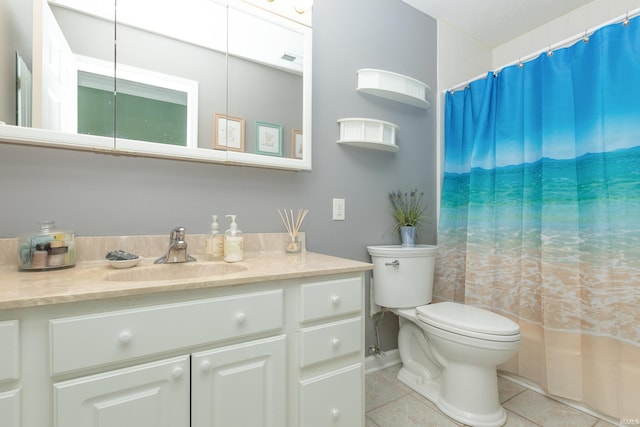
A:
(467, 318)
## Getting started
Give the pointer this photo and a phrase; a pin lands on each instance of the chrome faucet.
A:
(177, 248)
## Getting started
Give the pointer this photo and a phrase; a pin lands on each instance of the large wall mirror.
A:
(224, 81)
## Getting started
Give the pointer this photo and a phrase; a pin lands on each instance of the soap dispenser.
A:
(233, 242)
(214, 245)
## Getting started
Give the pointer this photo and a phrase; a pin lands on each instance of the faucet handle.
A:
(177, 233)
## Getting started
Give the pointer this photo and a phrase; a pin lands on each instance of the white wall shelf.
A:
(394, 86)
(368, 133)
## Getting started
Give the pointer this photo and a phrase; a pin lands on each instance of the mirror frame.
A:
(54, 139)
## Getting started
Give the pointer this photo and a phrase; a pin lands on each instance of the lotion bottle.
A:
(233, 242)
(214, 246)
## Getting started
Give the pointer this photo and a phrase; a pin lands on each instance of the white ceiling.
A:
(495, 22)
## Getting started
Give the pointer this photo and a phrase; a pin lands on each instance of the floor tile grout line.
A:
(512, 397)
(390, 384)
(516, 412)
(524, 416)
(371, 419)
(387, 403)
(566, 402)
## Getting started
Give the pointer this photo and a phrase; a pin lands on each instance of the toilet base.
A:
(431, 389)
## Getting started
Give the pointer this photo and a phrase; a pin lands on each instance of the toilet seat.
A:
(469, 321)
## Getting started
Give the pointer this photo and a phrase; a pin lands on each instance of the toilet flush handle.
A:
(395, 263)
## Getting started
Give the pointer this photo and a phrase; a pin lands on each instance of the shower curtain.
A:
(540, 214)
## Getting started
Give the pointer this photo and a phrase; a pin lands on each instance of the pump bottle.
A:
(233, 242)
(214, 245)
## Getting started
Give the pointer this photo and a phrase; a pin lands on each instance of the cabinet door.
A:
(241, 385)
(10, 408)
(150, 395)
(334, 399)
(10, 353)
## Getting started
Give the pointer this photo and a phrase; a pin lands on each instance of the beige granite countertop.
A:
(93, 279)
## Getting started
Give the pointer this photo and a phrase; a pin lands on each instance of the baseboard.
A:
(576, 405)
(376, 363)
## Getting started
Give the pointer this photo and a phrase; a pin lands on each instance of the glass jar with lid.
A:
(47, 249)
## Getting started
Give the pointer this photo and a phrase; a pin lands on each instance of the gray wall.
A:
(101, 194)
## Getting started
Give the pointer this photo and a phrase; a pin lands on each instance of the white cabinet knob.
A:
(335, 413)
(241, 318)
(335, 300)
(125, 337)
(205, 365)
(335, 343)
(177, 372)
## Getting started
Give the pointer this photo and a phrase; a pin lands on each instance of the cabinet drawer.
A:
(325, 342)
(10, 350)
(331, 298)
(335, 399)
(98, 339)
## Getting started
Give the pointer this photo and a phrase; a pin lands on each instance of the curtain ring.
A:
(549, 52)
(626, 19)
(520, 64)
(585, 38)
(495, 74)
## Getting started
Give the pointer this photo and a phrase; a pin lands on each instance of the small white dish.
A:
(125, 263)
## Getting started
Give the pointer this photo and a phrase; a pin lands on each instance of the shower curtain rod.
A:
(551, 48)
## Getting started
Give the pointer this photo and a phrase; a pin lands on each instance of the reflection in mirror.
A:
(272, 52)
(184, 43)
(23, 96)
(58, 46)
(41, 88)
(270, 82)
(171, 78)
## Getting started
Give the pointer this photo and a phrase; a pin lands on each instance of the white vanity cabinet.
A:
(161, 393)
(9, 373)
(331, 384)
(279, 353)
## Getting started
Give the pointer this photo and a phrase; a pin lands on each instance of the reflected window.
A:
(148, 106)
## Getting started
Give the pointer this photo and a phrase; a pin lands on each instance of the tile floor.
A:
(389, 403)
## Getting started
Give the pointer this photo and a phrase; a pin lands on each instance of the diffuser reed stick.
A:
(293, 224)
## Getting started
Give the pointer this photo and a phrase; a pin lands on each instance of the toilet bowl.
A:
(449, 351)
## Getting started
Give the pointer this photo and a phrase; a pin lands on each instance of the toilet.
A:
(449, 351)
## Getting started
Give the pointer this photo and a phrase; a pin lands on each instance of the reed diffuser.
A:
(293, 224)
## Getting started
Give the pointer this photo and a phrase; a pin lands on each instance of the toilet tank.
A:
(402, 276)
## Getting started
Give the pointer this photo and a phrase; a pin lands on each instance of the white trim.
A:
(575, 405)
(377, 363)
(55, 139)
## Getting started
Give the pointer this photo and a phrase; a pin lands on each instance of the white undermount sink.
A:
(180, 271)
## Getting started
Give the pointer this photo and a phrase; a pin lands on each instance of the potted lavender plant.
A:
(407, 208)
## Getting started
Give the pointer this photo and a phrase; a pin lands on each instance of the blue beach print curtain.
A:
(540, 214)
